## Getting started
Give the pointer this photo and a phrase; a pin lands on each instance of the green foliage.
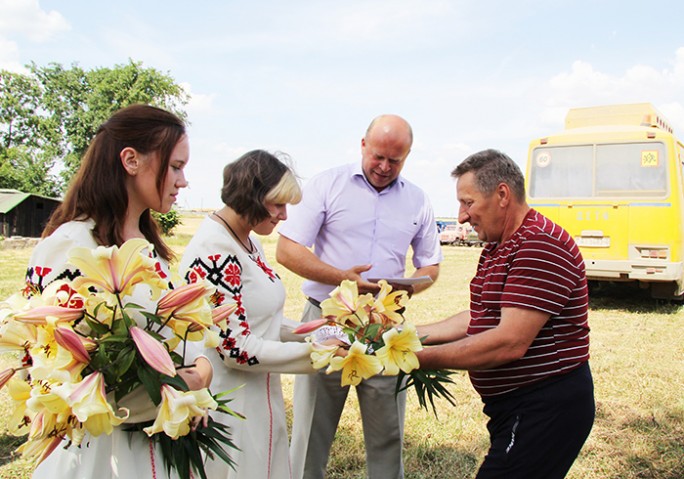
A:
(430, 383)
(167, 221)
(49, 117)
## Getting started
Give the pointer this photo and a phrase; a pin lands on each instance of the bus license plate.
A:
(593, 241)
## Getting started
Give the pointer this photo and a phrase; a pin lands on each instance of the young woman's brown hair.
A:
(98, 191)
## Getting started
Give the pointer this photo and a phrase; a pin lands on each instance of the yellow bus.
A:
(614, 180)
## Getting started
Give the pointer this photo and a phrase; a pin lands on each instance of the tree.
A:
(49, 117)
(29, 144)
(168, 221)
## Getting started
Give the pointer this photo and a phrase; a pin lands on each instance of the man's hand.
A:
(354, 274)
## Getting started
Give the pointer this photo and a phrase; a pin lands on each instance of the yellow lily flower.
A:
(172, 342)
(321, 355)
(116, 270)
(399, 350)
(386, 304)
(52, 362)
(37, 450)
(20, 392)
(357, 365)
(89, 404)
(48, 400)
(178, 409)
(345, 306)
(16, 336)
(211, 339)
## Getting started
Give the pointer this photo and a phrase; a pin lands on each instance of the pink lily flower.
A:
(153, 352)
(71, 341)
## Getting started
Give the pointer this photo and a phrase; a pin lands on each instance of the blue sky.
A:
(306, 77)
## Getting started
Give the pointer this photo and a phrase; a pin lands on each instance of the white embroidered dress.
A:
(251, 354)
(121, 455)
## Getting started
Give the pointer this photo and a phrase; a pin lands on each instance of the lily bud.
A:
(71, 341)
(222, 312)
(153, 352)
(39, 315)
(181, 296)
(310, 326)
(6, 375)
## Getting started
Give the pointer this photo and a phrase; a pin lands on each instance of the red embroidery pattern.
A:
(231, 274)
(42, 271)
(225, 272)
(73, 299)
(269, 272)
(159, 270)
(240, 311)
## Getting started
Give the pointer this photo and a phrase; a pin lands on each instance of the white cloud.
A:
(27, 18)
(9, 57)
(584, 85)
(199, 103)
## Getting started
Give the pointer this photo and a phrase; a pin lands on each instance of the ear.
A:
(130, 160)
(503, 192)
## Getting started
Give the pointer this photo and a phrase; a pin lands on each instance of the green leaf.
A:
(177, 382)
(150, 379)
(98, 328)
(124, 360)
(428, 385)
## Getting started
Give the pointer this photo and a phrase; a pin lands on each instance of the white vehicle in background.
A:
(450, 234)
(459, 235)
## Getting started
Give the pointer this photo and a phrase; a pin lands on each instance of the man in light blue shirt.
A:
(361, 221)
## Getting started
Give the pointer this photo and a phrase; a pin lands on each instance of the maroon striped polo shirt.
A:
(540, 267)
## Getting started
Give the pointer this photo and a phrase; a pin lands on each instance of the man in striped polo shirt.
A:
(525, 339)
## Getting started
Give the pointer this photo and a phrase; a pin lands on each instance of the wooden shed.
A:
(24, 214)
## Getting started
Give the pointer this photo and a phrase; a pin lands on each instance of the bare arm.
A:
(505, 343)
(302, 261)
(447, 330)
(432, 271)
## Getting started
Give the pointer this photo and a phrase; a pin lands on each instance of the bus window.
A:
(562, 172)
(631, 169)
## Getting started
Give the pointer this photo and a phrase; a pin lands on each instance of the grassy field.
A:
(637, 348)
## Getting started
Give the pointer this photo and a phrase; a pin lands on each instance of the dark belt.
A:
(313, 301)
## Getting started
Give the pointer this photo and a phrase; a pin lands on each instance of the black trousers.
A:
(538, 432)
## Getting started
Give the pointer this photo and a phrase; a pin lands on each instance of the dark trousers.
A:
(538, 432)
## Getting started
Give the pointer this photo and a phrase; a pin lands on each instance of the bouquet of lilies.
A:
(379, 339)
(88, 355)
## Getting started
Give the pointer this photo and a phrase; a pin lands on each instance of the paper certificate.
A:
(404, 281)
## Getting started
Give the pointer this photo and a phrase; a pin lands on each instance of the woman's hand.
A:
(197, 375)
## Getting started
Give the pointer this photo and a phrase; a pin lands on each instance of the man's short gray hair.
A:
(491, 168)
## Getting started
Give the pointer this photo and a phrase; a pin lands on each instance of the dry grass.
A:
(637, 359)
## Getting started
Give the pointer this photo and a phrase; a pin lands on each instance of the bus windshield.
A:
(633, 170)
